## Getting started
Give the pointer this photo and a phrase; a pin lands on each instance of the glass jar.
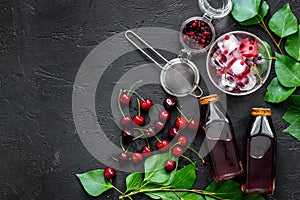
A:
(198, 33)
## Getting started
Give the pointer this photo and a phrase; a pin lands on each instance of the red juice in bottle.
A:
(261, 152)
(220, 139)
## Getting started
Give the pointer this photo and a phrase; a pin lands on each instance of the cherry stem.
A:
(257, 73)
(188, 159)
(134, 92)
(134, 84)
(137, 137)
(157, 138)
(139, 107)
(122, 193)
(180, 111)
(114, 159)
(128, 147)
(121, 143)
(119, 104)
(197, 153)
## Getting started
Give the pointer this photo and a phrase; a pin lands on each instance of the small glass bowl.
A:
(238, 63)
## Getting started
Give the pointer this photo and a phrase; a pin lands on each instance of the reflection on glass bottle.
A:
(220, 139)
(261, 151)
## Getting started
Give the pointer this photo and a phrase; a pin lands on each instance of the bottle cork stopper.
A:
(261, 112)
(209, 99)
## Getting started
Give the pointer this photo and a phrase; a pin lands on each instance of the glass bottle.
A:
(261, 152)
(220, 139)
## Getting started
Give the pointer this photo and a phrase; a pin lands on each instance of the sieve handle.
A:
(147, 45)
(199, 95)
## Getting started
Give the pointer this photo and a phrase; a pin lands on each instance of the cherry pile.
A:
(236, 63)
(197, 34)
(134, 128)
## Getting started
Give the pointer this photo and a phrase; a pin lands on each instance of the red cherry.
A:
(180, 122)
(173, 132)
(193, 125)
(182, 140)
(138, 120)
(170, 103)
(162, 145)
(164, 115)
(159, 125)
(192, 33)
(127, 135)
(226, 37)
(147, 151)
(125, 99)
(136, 157)
(146, 104)
(170, 165)
(123, 157)
(126, 121)
(109, 173)
(177, 151)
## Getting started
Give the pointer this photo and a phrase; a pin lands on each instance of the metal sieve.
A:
(179, 77)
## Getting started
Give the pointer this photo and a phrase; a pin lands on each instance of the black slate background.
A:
(43, 44)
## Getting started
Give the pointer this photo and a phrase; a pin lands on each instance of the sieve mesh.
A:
(179, 78)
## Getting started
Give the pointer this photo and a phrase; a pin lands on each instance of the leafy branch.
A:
(284, 25)
(157, 183)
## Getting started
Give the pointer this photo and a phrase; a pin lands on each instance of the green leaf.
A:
(184, 178)
(284, 23)
(292, 46)
(292, 116)
(134, 181)
(94, 183)
(263, 11)
(192, 196)
(277, 93)
(287, 70)
(244, 10)
(294, 130)
(155, 169)
(166, 195)
(294, 100)
(253, 197)
(227, 189)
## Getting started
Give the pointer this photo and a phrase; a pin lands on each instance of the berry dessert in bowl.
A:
(238, 63)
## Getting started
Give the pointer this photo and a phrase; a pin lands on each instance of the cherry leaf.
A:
(155, 169)
(294, 100)
(284, 23)
(290, 47)
(244, 10)
(227, 189)
(263, 11)
(277, 93)
(167, 195)
(292, 116)
(294, 129)
(185, 177)
(134, 181)
(192, 196)
(287, 70)
(94, 183)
